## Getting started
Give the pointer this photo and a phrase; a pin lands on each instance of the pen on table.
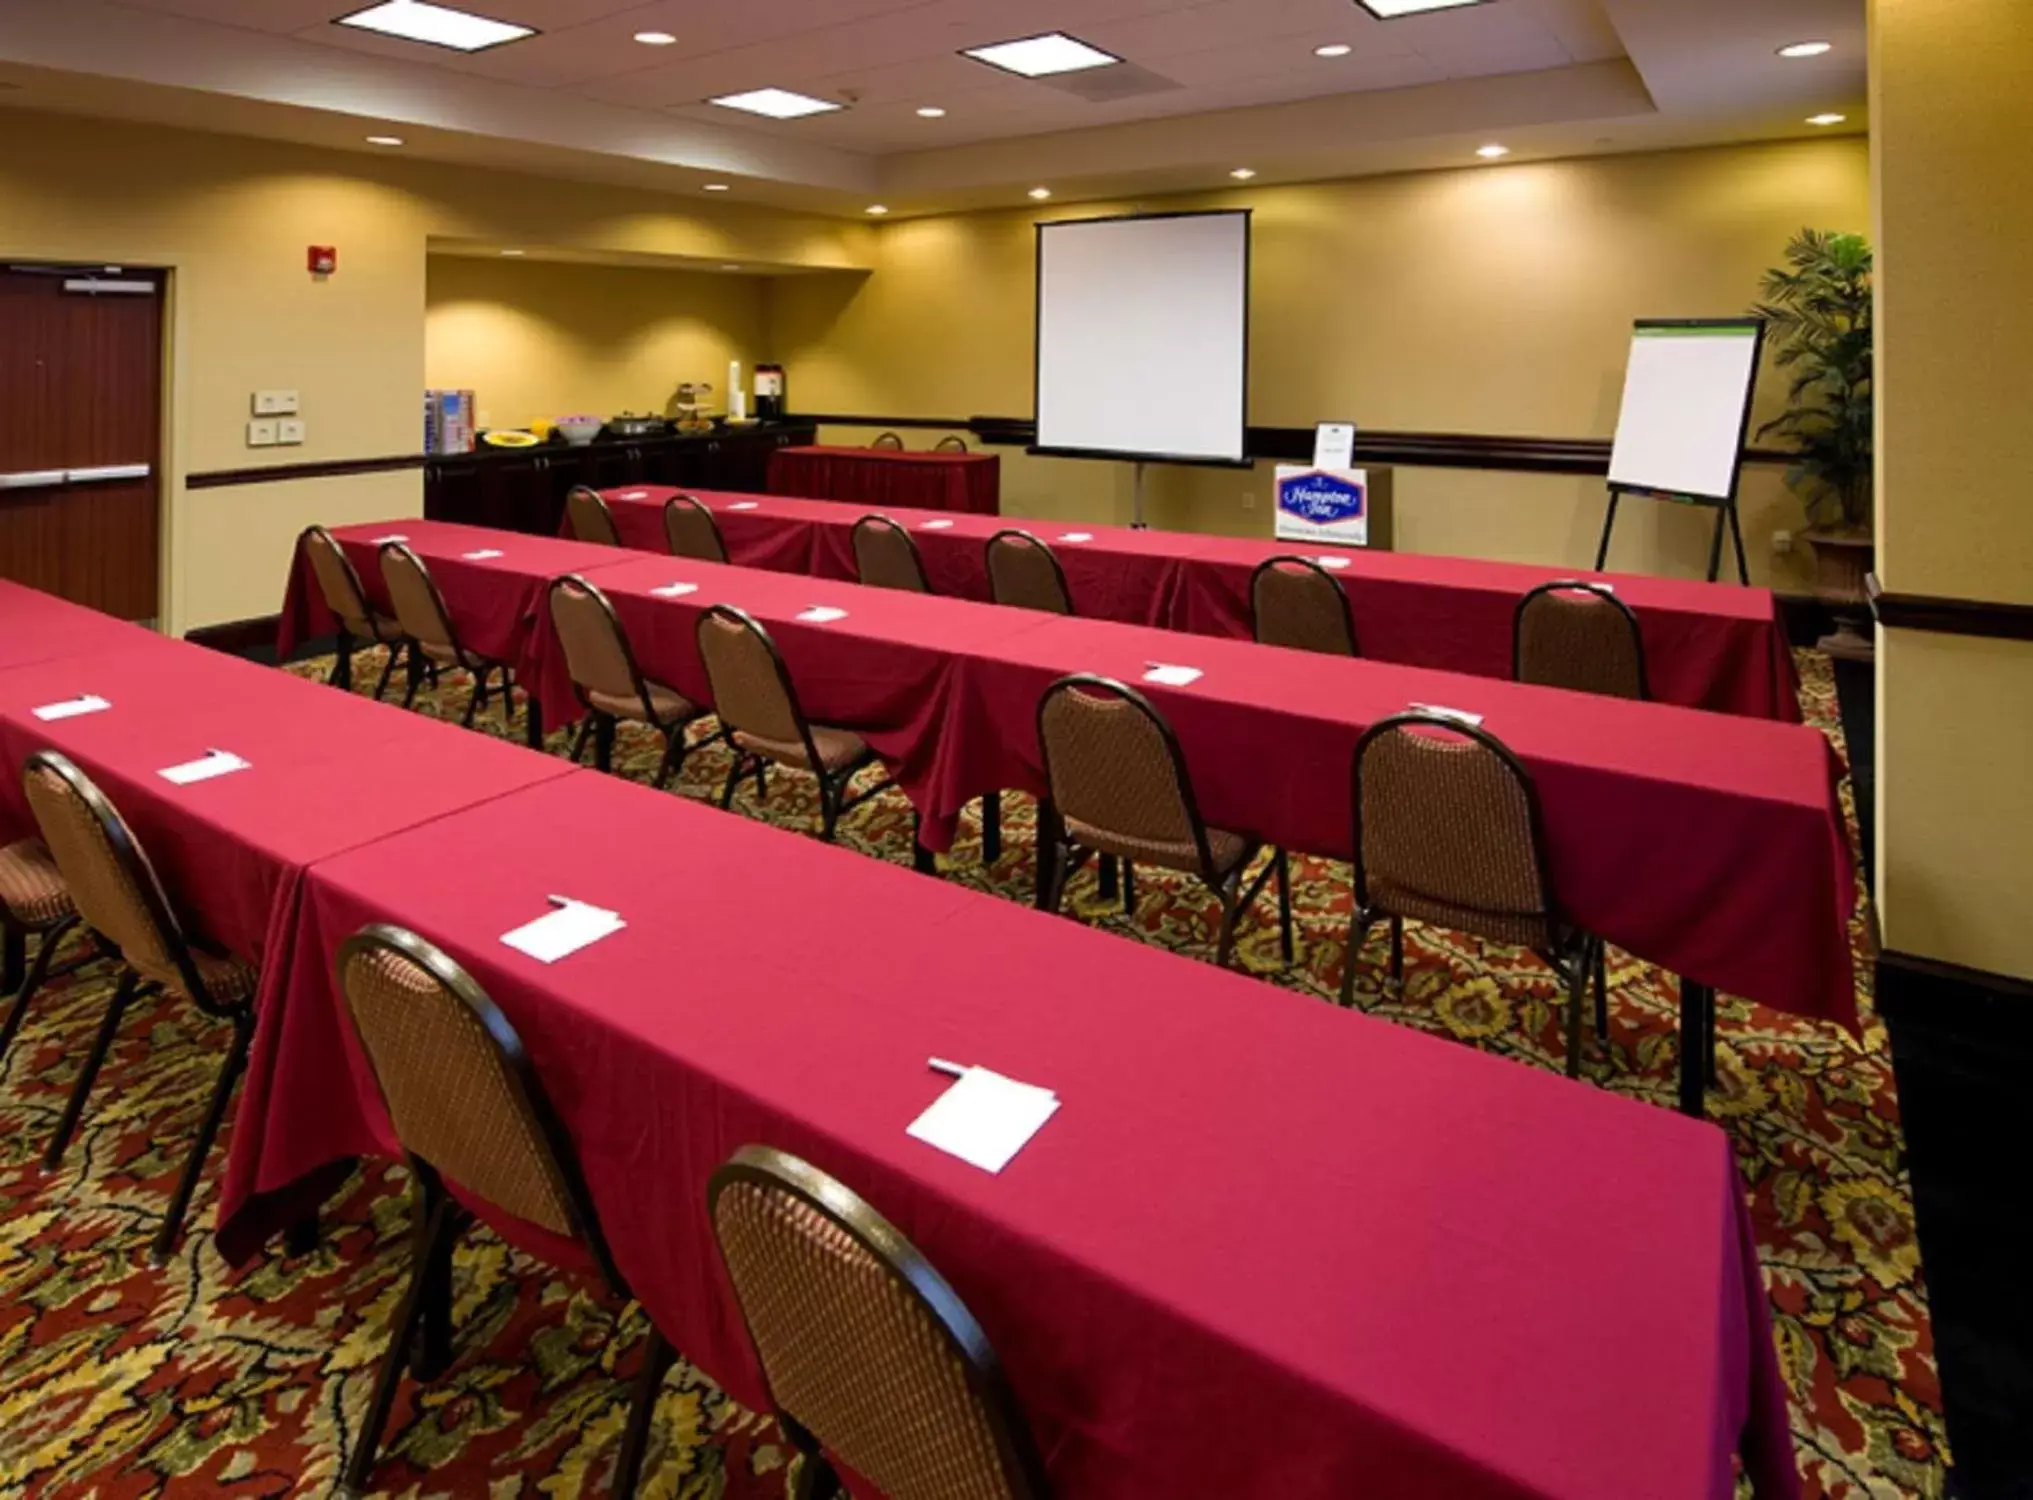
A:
(950, 1069)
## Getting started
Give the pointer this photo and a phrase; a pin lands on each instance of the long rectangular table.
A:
(1706, 645)
(1267, 1248)
(967, 482)
(35, 626)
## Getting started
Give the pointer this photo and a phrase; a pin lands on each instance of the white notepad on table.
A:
(70, 708)
(633, 495)
(383, 541)
(1171, 676)
(936, 526)
(1441, 711)
(212, 763)
(745, 505)
(483, 554)
(822, 614)
(564, 931)
(675, 590)
(1077, 536)
(985, 1118)
(1336, 564)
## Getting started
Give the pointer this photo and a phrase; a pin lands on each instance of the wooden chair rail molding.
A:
(2001, 622)
(1440, 450)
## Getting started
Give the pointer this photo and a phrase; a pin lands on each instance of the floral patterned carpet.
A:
(121, 1380)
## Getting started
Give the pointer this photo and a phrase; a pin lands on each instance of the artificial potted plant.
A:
(1817, 308)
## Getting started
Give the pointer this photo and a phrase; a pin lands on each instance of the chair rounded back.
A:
(597, 654)
(864, 1346)
(1579, 635)
(419, 607)
(1447, 831)
(886, 556)
(950, 444)
(890, 441)
(339, 583)
(690, 530)
(460, 1089)
(1023, 571)
(112, 883)
(751, 687)
(1115, 773)
(1297, 603)
(591, 520)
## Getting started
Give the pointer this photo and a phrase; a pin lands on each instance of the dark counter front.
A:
(524, 489)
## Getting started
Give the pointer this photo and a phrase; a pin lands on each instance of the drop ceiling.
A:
(1203, 87)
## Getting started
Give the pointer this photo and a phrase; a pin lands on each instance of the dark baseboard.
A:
(253, 639)
(1908, 980)
(1806, 618)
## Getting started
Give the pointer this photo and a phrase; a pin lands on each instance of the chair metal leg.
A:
(342, 664)
(1695, 1000)
(603, 742)
(477, 699)
(1577, 1006)
(395, 654)
(360, 1463)
(33, 979)
(674, 755)
(507, 697)
(1359, 922)
(829, 806)
(579, 741)
(414, 668)
(532, 722)
(734, 775)
(1708, 1037)
(171, 1231)
(816, 1479)
(430, 1348)
(1397, 950)
(1129, 888)
(1047, 855)
(991, 828)
(116, 1008)
(1601, 991)
(656, 1363)
(1231, 913)
(1284, 869)
(1107, 880)
(301, 1238)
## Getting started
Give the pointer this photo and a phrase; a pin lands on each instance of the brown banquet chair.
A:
(765, 724)
(886, 556)
(1024, 572)
(122, 902)
(1117, 785)
(591, 520)
(1578, 635)
(360, 623)
(34, 903)
(690, 530)
(429, 636)
(950, 444)
(889, 441)
(1295, 602)
(1447, 832)
(608, 683)
(868, 1354)
(468, 1108)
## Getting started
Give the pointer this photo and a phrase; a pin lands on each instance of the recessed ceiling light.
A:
(1807, 49)
(439, 25)
(1243, 174)
(511, 252)
(1042, 56)
(655, 38)
(877, 209)
(715, 187)
(931, 112)
(776, 104)
(1829, 119)
(1390, 10)
(730, 268)
(1333, 49)
(1041, 193)
(1492, 151)
(384, 140)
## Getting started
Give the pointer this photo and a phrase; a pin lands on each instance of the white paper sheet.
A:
(483, 554)
(1169, 676)
(1077, 536)
(675, 590)
(745, 505)
(633, 495)
(91, 703)
(936, 526)
(985, 1118)
(1440, 711)
(563, 932)
(822, 614)
(213, 763)
(383, 541)
(1333, 564)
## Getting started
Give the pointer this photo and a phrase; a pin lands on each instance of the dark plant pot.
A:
(1841, 559)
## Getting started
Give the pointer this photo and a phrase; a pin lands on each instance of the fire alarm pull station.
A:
(324, 259)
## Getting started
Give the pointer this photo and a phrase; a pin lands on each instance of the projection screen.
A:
(1143, 337)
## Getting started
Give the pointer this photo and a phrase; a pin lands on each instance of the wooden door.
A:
(81, 434)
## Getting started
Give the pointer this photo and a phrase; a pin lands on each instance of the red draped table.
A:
(1710, 646)
(970, 482)
(35, 626)
(1267, 1248)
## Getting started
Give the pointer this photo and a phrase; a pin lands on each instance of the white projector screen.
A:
(1687, 402)
(1143, 337)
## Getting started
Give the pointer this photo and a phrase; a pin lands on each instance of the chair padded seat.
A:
(32, 889)
(443, 655)
(669, 704)
(227, 980)
(1228, 849)
(838, 748)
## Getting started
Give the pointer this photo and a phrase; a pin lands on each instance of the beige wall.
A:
(1951, 113)
(1495, 300)
(232, 218)
(536, 339)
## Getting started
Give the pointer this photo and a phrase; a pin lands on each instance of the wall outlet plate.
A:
(275, 403)
(261, 433)
(290, 430)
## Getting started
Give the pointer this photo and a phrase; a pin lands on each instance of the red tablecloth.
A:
(881, 476)
(1266, 1248)
(329, 772)
(1710, 646)
(1709, 844)
(35, 626)
(491, 600)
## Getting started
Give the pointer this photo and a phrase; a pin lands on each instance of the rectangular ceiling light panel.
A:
(439, 25)
(1042, 56)
(777, 104)
(1390, 10)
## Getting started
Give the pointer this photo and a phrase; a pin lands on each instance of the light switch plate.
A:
(261, 434)
(290, 431)
(275, 403)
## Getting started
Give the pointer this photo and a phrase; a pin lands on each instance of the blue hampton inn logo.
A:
(1321, 499)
